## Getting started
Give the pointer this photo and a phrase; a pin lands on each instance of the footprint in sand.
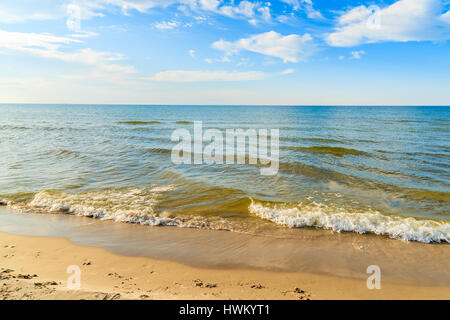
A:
(110, 296)
(199, 283)
(115, 274)
(26, 276)
(45, 284)
(299, 293)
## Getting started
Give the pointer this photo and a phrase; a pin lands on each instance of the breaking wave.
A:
(148, 206)
(338, 219)
(130, 205)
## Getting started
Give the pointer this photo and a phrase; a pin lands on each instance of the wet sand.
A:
(126, 261)
(35, 268)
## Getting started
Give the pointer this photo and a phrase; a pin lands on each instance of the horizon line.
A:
(226, 105)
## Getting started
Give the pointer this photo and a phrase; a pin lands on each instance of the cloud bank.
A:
(405, 20)
(205, 76)
(291, 48)
(50, 46)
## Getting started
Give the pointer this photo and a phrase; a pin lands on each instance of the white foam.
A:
(131, 205)
(338, 219)
(135, 205)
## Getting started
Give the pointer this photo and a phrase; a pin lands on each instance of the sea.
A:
(369, 170)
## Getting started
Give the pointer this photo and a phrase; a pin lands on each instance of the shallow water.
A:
(382, 170)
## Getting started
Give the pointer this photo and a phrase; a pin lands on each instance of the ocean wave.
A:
(69, 154)
(12, 127)
(130, 205)
(334, 151)
(339, 219)
(323, 140)
(219, 209)
(139, 122)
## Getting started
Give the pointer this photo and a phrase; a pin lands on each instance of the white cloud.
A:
(357, 54)
(192, 53)
(25, 10)
(355, 15)
(92, 8)
(265, 13)
(205, 76)
(287, 71)
(307, 6)
(75, 11)
(167, 25)
(10, 18)
(48, 46)
(310, 11)
(17, 11)
(85, 34)
(248, 10)
(243, 9)
(253, 12)
(223, 59)
(209, 4)
(170, 25)
(446, 17)
(32, 41)
(291, 48)
(405, 20)
(294, 3)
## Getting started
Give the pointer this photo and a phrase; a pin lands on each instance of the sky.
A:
(274, 52)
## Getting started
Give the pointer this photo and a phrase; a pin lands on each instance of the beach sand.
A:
(35, 268)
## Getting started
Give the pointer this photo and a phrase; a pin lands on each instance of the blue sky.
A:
(296, 52)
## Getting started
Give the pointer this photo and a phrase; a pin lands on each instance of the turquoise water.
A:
(381, 170)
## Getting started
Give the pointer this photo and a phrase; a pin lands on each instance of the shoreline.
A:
(35, 268)
(309, 250)
(127, 261)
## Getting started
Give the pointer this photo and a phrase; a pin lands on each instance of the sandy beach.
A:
(35, 268)
(172, 152)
